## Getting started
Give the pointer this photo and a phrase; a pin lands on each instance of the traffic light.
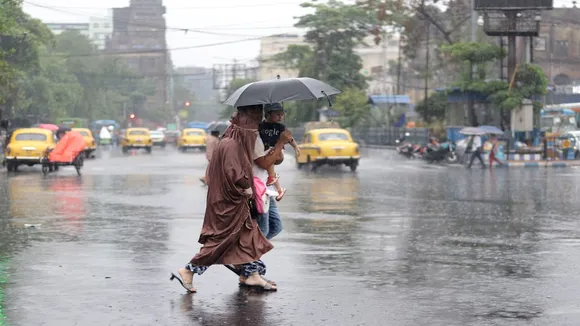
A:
(132, 116)
(187, 103)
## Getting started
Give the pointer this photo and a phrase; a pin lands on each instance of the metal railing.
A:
(377, 136)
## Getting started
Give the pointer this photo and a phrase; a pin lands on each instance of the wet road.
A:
(397, 243)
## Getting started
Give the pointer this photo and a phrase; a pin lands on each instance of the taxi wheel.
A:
(311, 165)
(10, 166)
(148, 149)
(125, 149)
(299, 165)
(353, 166)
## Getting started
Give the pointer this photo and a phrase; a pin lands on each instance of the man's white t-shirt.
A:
(262, 174)
(476, 143)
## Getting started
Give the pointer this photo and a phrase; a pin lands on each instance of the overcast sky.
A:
(238, 19)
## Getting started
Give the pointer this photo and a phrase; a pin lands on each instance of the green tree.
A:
(529, 81)
(433, 109)
(353, 105)
(227, 110)
(109, 88)
(20, 40)
(334, 29)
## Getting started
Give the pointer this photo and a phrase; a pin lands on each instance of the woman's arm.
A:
(269, 159)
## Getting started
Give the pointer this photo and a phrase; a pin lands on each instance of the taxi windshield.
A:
(84, 133)
(194, 133)
(138, 133)
(31, 136)
(332, 136)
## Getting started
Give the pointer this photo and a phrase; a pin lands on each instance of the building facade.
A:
(139, 37)
(557, 49)
(375, 60)
(57, 28)
(101, 29)
(269, 47)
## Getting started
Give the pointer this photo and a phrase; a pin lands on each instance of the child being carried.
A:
(270, 131)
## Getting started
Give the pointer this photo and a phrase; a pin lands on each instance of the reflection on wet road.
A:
(397, 243)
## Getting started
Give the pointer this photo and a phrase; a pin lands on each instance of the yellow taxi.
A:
(332, 146)
(191, 138)
(90, 146)
(27, 146)
(136, 138)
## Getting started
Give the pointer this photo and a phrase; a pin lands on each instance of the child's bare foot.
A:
(281, 194)
(272, 179)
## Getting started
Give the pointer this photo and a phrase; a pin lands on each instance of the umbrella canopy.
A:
(491, 130)
(472, 131)
(48, 126)
(280, 90)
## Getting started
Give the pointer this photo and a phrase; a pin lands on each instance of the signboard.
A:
(183, 114)
(171, 126)
(513, 4)
(540, 43)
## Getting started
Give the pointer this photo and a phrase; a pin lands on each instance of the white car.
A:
(158, 138)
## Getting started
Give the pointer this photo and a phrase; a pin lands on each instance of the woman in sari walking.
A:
(230, 236)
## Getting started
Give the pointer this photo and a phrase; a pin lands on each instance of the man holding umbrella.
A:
(476, 148)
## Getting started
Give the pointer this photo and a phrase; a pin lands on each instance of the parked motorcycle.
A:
(445, 153)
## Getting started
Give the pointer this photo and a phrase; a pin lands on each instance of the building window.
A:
(561, 48)
(96, 25)
(107, 25)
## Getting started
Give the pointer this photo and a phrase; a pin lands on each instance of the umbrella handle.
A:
(327, 98)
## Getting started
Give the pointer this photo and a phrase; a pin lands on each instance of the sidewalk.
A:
(543, 164)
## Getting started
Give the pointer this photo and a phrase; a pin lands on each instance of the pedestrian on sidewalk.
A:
(476, 148)
(230, 235)
(492, 156)
(211, 142)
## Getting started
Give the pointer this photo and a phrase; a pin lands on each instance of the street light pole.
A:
(427, 54)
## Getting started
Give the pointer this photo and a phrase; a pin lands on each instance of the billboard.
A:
(513, 4)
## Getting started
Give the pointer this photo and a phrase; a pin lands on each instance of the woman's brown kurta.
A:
(229, 234)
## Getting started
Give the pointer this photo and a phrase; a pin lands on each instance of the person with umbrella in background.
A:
(492, 155)
(476, 148)
(211, 142)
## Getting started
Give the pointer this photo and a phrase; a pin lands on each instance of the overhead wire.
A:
(267, 4)
(152, 51)
(156, 26)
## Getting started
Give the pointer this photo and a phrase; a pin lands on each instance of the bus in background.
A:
(97, 125)
(555, 120)
(574, 107)
(73, 122)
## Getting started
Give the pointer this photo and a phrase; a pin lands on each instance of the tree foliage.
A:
(433, 108)
(529, 80)
(334, 29)
(47, 77)
(353, 105)
(227, 110)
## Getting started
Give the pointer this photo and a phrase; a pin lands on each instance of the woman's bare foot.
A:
(243, 280)
(256, 281)
(187, 277)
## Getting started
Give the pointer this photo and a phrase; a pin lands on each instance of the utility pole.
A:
(234, 69)
(472, 117)
(399, 66)
(427, 54)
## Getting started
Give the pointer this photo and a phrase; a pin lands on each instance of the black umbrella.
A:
(280, 90)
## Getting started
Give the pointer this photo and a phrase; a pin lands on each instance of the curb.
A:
(542, 164)
(513, 164)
